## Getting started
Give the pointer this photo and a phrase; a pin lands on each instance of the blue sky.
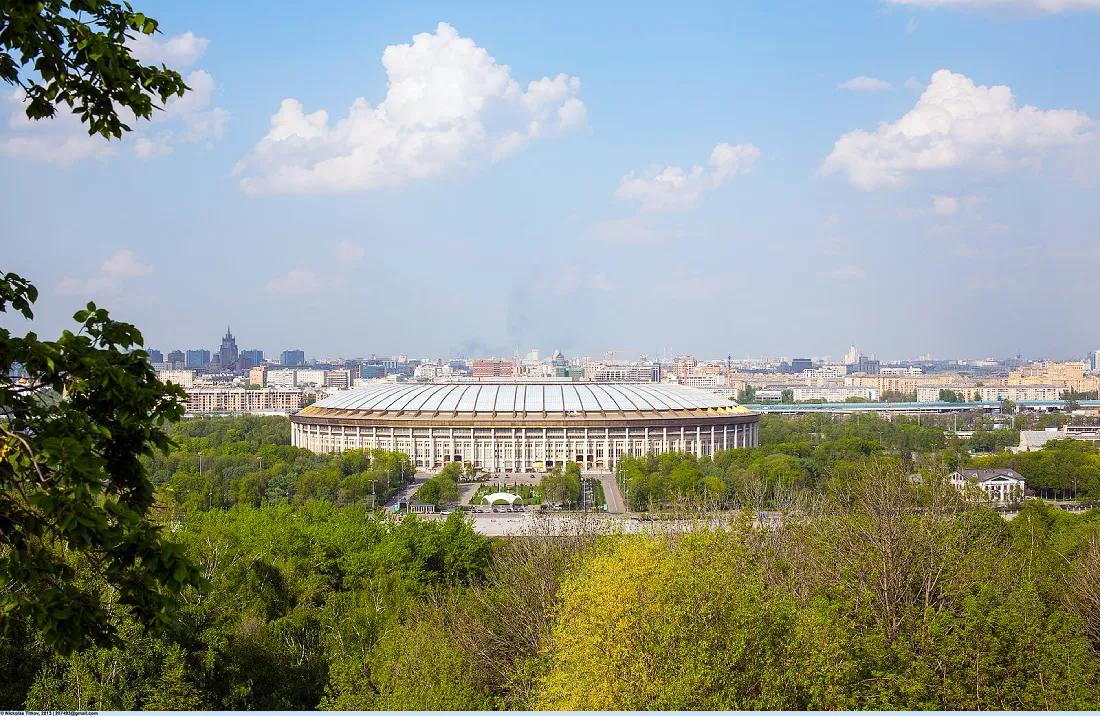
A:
(745, 178)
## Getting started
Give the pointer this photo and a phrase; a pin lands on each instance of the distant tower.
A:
(228, 353)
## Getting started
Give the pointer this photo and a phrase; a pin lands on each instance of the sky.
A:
(750, 178)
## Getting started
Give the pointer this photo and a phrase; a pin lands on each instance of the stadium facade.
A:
(525, 426)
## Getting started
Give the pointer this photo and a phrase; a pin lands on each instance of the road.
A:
(405, 493)
(615, 503)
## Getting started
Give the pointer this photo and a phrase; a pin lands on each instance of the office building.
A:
(176, 357)
(197, 359)
(292, 358)
(492, 368)
(155, 356)
(254, 357)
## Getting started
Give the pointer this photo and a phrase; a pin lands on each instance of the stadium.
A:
(525, 427)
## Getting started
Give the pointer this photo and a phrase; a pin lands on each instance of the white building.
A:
(911, 370)
(834, 393)
(184, 378)
(310, 376)
(998, 485)
(825, 372)
(1016, 393)
(282, 377)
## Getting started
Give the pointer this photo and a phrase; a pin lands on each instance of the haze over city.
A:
(914, 176)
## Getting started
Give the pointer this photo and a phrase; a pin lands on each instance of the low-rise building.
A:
(999, 485)
(184, 378)
(1036, 439)
(834, 393)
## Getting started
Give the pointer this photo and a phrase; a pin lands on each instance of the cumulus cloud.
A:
(349, 252)
(64, 140)
(122, 265)
(175, 52)
(956, 123)
(671, 187)
(863, 83)
(297, 281)
(848, 273)
(1045, 7)
(448, 105)
(914, 83)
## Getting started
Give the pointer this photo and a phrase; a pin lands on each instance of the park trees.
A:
(561, 486)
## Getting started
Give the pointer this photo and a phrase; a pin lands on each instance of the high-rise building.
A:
(800, 364)
(290, 358)
(255, 357)
(852, 356)
(198, 358)
(176, 357)
(227, 355)
(258, 376)
(1094, 360)
(155, 356)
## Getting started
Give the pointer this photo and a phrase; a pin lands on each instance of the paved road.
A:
(405, 493)
(615, 503)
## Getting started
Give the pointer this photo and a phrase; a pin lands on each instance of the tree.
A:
(76, 416)
(74, 52)
(787, 396)
(1008, 407)
(949, 396)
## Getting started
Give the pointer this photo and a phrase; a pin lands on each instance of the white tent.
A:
(502, 497)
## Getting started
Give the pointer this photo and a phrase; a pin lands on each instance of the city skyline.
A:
(917, 176)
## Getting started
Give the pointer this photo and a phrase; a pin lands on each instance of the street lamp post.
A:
(200, 463)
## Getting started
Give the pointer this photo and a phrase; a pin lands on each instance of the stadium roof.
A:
(542, 398)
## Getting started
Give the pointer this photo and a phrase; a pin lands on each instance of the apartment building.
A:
(237, 400)
(834, 393)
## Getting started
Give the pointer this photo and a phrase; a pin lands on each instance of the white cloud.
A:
(1046, 7)
(956, 124)
(175, 52)
(449, 105)
(944, 205)
(632, 229)
(684, 286)
(576, 279)
(122, 265)
(848, 273)
(348, 252)
(64, 140)
(863, 83)
(914, 83)
(145, 148)
(297, 281)
(671, 187)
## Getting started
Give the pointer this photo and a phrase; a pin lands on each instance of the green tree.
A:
(74, 52)
(949, 396)
(78, 414)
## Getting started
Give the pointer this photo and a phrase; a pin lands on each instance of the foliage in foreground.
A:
(883, 595)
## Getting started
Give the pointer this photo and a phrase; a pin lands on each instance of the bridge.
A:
(1045, 406)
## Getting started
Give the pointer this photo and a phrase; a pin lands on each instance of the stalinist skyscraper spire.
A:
(228, 353)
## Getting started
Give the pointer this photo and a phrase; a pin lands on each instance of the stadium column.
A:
(698, 441)
(725, 437)
(431, 448)
(493, 448)
(607, 448)
(586, 448)
(682, 447)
